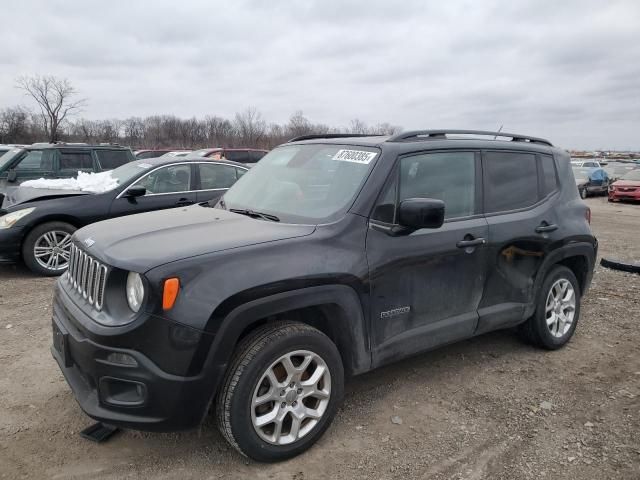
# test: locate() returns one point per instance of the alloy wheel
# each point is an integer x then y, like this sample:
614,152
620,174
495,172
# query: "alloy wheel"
291,397
52,249
560,307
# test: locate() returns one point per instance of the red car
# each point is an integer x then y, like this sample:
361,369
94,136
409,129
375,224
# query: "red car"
626,188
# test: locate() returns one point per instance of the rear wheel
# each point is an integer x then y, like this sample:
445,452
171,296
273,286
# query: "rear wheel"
47,247
557,310
280,392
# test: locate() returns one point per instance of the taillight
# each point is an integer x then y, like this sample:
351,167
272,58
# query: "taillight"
587,215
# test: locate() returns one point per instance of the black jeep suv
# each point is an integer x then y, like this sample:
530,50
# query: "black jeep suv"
334,255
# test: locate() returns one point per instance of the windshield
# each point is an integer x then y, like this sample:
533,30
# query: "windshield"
8,156
303,183
128,171
632,175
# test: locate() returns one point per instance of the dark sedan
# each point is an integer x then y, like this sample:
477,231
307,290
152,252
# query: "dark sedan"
36,224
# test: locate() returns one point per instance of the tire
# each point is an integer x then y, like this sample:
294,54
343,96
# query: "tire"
583,193
246,378
537,329
51,236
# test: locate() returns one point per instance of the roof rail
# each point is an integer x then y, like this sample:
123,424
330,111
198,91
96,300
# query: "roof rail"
442,134
331,135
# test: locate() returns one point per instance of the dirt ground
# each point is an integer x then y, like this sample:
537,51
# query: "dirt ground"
488,408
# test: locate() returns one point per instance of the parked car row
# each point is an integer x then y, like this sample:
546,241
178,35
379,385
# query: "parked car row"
241,155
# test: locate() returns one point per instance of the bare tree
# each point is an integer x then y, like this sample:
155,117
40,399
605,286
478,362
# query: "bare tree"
54,97
14,124
250,126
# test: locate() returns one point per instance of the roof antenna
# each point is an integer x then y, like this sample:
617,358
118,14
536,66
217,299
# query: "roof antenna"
499,130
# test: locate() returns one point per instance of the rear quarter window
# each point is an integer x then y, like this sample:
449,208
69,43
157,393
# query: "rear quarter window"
510,181
110,159
549,177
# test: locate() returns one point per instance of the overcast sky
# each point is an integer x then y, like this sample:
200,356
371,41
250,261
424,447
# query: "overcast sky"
565,70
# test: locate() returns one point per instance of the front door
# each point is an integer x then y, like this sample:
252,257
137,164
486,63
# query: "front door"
426,286
166,187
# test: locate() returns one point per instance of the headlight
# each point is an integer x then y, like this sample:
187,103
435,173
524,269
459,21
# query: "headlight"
135,291
8,220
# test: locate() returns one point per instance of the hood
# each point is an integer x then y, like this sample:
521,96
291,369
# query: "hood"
144,241
626,183
17,195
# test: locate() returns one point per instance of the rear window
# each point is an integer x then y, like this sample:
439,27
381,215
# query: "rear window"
510,181
110,159
257,155
237,156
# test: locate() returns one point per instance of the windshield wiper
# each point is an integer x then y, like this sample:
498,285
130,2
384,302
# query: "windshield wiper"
252,214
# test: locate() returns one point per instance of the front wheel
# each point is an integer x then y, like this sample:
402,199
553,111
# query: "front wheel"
46,248
557,310
280,392
583,193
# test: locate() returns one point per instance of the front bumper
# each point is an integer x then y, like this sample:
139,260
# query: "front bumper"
619,194
140,396
10,244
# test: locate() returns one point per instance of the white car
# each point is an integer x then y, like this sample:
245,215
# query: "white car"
586,163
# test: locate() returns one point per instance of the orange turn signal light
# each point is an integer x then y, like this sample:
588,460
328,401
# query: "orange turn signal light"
170,293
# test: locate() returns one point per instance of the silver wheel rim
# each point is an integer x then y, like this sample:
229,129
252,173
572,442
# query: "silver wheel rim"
560,307
291,397
52,250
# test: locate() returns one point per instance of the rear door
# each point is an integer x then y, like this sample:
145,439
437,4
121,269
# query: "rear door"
169,186
519,192
426,286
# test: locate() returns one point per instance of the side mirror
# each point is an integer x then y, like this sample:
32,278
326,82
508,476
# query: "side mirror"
416,213
12,176
135,191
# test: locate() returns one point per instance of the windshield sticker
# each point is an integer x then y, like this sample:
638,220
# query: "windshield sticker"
355,156
144,165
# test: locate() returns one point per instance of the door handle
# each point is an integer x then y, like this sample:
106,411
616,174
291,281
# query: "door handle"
545,227
471,243
183,202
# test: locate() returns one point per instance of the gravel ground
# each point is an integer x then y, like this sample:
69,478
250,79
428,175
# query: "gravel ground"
490,407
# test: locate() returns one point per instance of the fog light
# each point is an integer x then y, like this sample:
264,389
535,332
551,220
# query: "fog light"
120,392
122,359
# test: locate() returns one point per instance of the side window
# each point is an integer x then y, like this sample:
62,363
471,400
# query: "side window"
214,176
510,181
549,179
110,159
71,162
385,210
448,176
171,179
36,160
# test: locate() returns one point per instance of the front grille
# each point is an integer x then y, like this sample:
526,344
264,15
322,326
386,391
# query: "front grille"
88,276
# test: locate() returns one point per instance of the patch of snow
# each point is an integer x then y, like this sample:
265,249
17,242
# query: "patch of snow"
85,182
